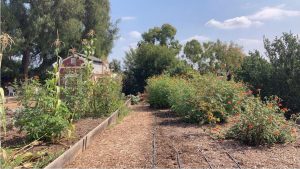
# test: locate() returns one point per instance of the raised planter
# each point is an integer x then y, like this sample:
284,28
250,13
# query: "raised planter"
84,142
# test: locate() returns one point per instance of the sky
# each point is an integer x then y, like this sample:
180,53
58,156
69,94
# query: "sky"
244,22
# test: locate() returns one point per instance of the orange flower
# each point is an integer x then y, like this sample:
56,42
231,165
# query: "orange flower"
293,130
270,119
276,133
250,126
285,110
249,92
270,105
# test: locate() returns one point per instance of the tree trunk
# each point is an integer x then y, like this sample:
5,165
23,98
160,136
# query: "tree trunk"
25,64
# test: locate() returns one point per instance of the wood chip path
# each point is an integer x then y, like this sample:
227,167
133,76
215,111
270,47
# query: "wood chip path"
125,145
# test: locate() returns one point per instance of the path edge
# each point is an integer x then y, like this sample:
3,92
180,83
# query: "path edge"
80,146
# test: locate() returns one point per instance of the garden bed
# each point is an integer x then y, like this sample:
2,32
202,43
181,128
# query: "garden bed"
191,146
16,140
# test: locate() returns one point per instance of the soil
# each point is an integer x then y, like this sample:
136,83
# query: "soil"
157,138
195,144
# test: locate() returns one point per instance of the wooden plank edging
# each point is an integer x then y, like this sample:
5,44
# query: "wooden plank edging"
84,142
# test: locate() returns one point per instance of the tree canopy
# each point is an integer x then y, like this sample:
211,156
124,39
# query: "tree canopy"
34,26
155,54
213,56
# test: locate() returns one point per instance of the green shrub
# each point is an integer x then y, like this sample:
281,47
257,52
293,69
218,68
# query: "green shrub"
77,96
207,98
86,97
197,98
180,99
262,124
43,115
135,99
217,98
159,89
106,97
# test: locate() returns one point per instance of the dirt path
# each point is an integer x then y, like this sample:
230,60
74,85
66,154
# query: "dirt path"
128,144
176,144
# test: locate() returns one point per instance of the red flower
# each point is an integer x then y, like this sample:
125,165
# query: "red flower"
229,102
250,126
285,109
249,92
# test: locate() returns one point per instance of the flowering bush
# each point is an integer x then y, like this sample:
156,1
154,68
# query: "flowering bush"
262,123
197,98
216,98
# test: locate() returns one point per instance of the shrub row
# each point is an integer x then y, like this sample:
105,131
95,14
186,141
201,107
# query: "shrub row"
211,99
200,98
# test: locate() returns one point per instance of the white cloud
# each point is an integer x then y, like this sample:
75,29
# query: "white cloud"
135,34
267,13
273,13
128,18
131,45
196,37
121,39
237,22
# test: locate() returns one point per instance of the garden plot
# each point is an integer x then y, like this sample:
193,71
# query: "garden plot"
198,148
157,138
15,139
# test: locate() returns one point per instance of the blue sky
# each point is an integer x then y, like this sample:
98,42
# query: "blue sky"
241,21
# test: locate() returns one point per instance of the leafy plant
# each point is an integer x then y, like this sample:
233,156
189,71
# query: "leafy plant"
135,99
44,114
159,89
78,95
262,124
106,97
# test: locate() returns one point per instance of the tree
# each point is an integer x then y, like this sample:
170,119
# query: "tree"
284,55
155,54
163,36
34,25
278,76
193,51
115,65
257,72
213,56
97,18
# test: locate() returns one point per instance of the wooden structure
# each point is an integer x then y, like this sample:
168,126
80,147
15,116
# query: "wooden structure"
70,67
